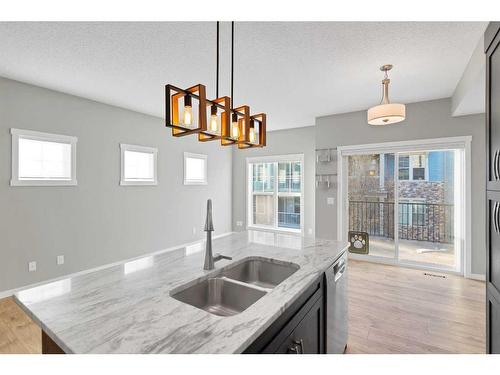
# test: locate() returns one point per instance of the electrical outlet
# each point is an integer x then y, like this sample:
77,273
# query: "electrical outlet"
239,223
60,260
32,266
194,230
310,231
330,200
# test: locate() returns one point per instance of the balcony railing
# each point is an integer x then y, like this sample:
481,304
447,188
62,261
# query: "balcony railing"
288,220
431,222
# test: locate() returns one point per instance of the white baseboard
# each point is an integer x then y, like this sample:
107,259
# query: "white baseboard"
476,276
11,292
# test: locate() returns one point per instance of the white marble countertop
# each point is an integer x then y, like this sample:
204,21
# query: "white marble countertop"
127,308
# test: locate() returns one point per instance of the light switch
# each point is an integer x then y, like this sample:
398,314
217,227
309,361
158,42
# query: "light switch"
60,260
330,200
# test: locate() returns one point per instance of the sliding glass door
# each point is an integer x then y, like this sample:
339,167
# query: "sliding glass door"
406,206
428,194
371,202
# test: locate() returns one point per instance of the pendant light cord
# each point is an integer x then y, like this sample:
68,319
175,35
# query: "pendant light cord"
217,71
232,63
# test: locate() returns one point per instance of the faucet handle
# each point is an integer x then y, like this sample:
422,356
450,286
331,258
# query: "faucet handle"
218,256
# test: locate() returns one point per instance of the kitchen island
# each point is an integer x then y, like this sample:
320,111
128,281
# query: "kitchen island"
128,308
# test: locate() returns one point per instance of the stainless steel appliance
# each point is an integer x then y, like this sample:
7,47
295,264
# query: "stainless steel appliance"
336,306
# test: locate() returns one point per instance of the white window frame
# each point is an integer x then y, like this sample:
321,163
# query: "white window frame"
463,232
274,159
16,134
136,148
410,168
205,177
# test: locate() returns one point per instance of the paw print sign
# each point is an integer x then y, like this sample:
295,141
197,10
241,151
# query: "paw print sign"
359,242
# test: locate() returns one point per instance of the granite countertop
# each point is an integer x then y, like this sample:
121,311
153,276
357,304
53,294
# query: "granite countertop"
127,308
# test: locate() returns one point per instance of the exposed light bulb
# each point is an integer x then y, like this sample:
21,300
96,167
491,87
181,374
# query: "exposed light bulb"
235,132
214,120
214,126
187,116
252,135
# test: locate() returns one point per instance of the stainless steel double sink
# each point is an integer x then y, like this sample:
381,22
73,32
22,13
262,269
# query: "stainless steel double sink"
235,287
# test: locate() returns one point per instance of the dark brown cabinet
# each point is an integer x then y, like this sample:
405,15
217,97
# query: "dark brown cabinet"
493,108
300,329
492,50
307,336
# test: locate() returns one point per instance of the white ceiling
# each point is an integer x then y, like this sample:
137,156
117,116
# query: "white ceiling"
293,71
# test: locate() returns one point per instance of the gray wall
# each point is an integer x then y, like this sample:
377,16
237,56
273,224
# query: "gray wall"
98,221
281,142
429,119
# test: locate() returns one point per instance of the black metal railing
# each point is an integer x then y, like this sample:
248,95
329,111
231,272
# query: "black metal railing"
431,222
289,220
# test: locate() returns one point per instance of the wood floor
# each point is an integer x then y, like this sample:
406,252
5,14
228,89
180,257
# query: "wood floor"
401,310
391,310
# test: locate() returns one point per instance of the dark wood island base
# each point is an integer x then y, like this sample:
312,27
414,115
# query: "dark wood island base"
49,346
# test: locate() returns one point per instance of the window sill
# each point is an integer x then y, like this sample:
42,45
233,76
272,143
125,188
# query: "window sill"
138,183
43,183
275,230
195,183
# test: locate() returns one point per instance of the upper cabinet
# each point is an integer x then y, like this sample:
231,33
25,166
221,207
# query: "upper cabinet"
492,50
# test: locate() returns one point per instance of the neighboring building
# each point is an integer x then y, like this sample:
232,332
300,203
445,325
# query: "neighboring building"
425,182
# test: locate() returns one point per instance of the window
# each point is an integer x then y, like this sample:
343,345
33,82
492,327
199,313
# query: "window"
138,165
412,212
40,159
413,167
275,198
404,167
195,169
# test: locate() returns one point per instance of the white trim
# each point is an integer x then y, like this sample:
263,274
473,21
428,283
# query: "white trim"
467,257
196,156
404,263
249,211
401,146
476,276
40,136
462,142
275,158
136,148
8,293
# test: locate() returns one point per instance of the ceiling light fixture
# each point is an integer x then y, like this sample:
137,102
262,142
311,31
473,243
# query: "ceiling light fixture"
233,126
386,112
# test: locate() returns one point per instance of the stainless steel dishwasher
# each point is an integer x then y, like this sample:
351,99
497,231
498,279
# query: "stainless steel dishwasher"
336,306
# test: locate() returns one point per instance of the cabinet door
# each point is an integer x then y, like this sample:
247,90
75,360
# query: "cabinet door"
493,109
493,274
493,240
493,319
307,337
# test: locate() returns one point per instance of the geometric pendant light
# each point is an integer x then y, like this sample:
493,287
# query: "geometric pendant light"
386,112
190,112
